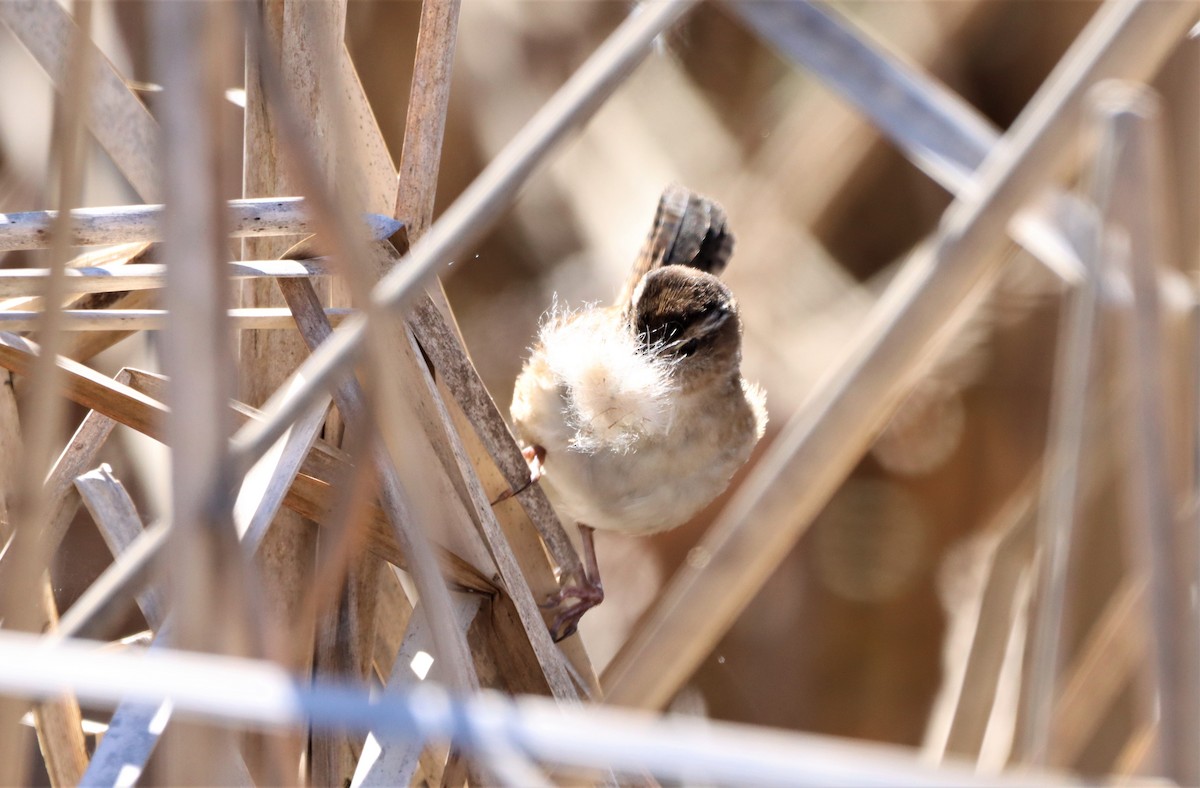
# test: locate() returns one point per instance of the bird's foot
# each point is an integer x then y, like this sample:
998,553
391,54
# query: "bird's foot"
574,598
534,455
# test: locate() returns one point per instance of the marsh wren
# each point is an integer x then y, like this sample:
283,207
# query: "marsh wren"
637,413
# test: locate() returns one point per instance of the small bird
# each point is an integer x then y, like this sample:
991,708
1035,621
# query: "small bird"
635,416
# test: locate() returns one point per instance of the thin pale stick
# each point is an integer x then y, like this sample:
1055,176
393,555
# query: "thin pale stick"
16,282
1137,245
936,129
58,721
194,52
97,607
549,658
135,728
125,320
267,358
349,396
264,217
997,616
82,346
425,124
1061,494
430,322
389,632
257,693
32,506
914,320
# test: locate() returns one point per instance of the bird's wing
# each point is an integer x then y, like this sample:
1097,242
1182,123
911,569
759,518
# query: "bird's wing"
689,229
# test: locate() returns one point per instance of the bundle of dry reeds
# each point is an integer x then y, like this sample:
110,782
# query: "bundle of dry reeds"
334,572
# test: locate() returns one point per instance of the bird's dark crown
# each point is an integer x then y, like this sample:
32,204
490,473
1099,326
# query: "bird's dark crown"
690,315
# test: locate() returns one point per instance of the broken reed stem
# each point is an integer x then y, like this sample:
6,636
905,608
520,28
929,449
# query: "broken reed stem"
249,218
914,320
475,210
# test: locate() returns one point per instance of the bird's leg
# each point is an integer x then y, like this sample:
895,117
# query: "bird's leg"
586,592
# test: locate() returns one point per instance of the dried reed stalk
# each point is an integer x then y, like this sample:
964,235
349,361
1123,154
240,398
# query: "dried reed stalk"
255,692
936,129
1061,494
194,52
124,321
253,218
1138,244
22,603
17,282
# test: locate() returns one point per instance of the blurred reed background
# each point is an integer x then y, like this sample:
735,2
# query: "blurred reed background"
1005,576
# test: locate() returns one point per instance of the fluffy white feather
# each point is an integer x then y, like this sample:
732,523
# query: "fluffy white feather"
613,394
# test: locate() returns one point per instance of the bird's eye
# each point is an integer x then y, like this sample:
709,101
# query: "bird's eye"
671,330
689,347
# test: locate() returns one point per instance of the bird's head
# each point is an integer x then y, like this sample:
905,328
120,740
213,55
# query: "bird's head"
690,317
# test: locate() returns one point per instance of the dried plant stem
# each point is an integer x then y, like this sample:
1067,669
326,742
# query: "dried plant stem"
124,320
59,721
19,593
15,282
259,693
1060,496
1138,245
430,319
996,617
940,132
264,217
425,125
397,762
194,54
310,493
914,320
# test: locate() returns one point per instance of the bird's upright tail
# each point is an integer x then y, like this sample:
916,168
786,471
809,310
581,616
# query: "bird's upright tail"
689,229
